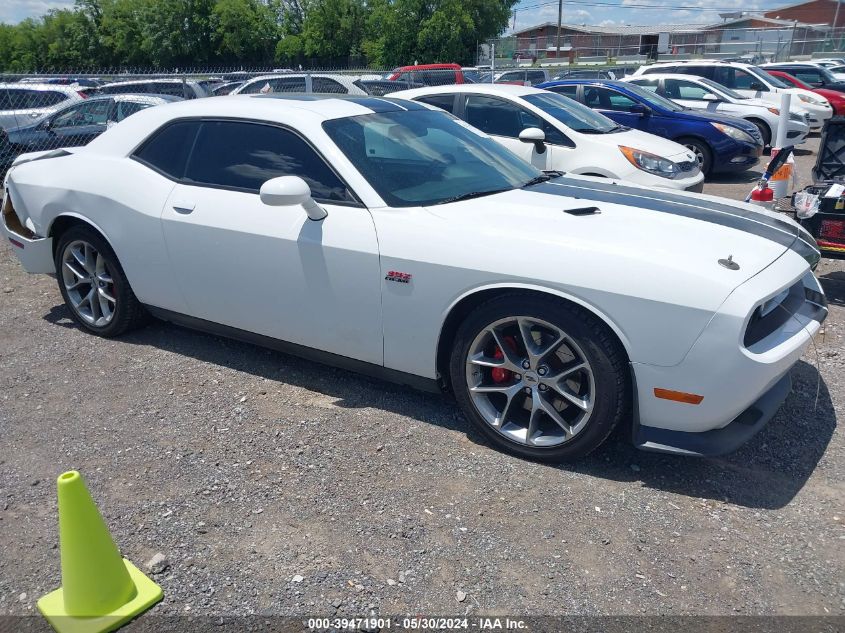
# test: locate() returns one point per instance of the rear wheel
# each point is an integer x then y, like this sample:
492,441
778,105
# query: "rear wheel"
93,284
702,153
539,378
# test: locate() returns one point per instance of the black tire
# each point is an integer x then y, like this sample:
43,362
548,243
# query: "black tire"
128,312
612,397
765,132
702,150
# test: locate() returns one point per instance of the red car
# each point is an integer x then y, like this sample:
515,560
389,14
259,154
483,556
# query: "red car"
836,98
429,74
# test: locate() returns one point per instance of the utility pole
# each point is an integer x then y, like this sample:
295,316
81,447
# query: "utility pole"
835,23
560,19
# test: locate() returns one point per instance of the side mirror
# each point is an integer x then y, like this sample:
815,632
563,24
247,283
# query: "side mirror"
756,85
287,191
710,97
534,135
639,108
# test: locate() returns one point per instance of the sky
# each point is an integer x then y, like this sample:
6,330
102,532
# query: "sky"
528,12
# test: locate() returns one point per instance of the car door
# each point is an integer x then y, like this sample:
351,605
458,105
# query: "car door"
79,124
504,120
266,269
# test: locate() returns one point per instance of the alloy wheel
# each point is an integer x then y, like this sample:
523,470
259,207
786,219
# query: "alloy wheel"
88,282
530,381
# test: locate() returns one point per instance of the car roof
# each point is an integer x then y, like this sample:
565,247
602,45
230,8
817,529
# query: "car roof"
586,81
130,82
699,62
428,67
651,76
305,110
485,88
38,86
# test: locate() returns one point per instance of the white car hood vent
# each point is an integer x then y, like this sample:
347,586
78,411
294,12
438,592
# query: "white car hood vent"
583,211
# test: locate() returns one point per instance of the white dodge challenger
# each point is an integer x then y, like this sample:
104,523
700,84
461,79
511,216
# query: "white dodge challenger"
389,237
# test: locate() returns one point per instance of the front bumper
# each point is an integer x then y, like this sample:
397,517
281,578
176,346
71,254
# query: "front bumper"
736,156
717,441
734,373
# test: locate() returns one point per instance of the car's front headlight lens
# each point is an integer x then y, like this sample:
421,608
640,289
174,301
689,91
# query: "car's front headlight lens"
734,132
809,99
652,163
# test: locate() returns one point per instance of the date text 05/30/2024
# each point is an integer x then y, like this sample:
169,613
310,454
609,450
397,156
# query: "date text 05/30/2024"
417,623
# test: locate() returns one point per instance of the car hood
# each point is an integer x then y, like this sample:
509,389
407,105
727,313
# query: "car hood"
645,142
714,117
660,239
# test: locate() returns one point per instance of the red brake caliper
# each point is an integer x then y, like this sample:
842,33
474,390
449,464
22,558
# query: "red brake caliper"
499,374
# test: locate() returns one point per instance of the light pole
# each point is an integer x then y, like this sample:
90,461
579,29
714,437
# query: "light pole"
560,19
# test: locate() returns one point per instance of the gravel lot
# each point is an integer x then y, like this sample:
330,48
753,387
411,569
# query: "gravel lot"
278,486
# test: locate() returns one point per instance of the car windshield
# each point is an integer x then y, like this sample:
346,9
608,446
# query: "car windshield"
720,89
654,99
766,77
425,157
571,113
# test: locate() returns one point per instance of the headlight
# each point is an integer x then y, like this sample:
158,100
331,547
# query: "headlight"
652,163
809,99
734,132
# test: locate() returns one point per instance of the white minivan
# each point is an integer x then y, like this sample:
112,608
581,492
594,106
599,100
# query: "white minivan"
553,132
747,80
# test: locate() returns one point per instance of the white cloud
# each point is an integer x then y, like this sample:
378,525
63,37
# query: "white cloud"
13,11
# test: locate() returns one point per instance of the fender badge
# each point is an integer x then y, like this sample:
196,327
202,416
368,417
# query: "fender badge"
729,263
402,278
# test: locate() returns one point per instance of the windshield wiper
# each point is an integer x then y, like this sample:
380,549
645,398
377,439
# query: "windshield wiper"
472,194
538,179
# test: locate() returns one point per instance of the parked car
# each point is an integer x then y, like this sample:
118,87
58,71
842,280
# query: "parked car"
554,133
73,125
586,74
389,237
698,93
750,81
21,103
812,74
381,87
428,74
186,89
300,82
834,97
523,76
721,143
225,88
838,71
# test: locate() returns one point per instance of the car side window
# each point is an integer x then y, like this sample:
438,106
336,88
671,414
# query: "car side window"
700,71
807,75
243,155
287,84
566,91
650,84
92,113
745,81
128,108
327,85
680,89
172,88
606,99
499,117
167,149
536,77
444,102
511,76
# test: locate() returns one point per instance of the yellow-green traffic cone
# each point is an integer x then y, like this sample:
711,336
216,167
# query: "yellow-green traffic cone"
101,591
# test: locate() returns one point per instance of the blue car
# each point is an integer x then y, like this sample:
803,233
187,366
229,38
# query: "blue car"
722,143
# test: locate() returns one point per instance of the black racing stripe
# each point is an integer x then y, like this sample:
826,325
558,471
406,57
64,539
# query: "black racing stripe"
670,196
731,217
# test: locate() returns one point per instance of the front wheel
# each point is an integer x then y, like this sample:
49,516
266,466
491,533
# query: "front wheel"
539,378
93,284
702,153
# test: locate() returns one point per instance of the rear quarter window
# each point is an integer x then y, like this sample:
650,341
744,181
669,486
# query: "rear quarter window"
168,148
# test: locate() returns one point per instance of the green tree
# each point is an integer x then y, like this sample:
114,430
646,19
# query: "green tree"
333,28
244,30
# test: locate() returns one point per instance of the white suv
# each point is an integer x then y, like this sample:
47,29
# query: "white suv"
747,80
21,103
